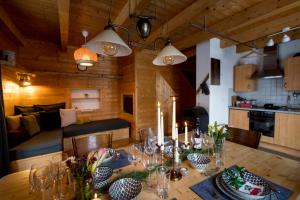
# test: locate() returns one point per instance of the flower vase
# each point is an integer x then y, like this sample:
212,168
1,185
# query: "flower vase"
83,189
219,153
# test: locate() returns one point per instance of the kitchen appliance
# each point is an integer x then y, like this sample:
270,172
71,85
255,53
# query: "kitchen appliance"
263,122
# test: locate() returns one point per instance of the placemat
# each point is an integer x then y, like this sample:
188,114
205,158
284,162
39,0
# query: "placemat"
207,190
122,161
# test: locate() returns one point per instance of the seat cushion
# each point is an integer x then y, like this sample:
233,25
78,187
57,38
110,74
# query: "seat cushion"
43,143
94,126
50,120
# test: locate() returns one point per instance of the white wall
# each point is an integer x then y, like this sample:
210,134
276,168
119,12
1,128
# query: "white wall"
218,100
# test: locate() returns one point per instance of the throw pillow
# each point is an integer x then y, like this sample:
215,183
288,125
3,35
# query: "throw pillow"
67,116
50,120
13,122
37,116
23,109
30,124
50,107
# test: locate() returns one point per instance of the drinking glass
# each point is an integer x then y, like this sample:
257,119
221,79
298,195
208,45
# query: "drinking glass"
149,162
163,182
32,183
150,144
134,157
58,173
42,179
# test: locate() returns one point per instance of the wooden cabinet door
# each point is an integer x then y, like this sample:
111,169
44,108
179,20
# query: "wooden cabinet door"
239,119
242,81
292,74
287,130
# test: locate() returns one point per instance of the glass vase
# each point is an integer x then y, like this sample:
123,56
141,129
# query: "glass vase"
83,189
219,152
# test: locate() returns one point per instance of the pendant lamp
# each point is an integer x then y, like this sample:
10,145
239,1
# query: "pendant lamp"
109,43
169,55
84,57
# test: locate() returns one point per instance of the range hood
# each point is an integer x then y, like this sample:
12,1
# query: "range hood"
270,67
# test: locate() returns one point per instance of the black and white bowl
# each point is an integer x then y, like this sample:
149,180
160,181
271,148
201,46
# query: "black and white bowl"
198,161
102,176
125,189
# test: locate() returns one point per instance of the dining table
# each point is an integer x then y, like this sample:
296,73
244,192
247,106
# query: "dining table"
278,169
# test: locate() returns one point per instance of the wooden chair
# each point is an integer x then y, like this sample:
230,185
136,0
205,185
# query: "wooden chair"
244,137
83,144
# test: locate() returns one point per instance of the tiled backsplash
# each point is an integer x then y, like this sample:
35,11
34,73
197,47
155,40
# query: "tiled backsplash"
271,91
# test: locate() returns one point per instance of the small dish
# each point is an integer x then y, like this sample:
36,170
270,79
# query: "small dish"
198,161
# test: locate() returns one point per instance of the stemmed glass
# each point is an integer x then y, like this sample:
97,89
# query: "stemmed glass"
42,179
134,157
149,162
57,173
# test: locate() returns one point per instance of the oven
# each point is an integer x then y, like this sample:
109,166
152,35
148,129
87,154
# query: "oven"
263,122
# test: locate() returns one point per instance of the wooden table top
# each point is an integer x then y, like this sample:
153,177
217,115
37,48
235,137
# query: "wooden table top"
278,169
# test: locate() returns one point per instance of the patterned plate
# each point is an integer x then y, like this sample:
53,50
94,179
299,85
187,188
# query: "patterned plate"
254,179
224,188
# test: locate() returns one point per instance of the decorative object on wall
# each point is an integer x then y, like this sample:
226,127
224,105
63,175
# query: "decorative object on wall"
203,86
215,71
25,78
109,43
143,22
83,56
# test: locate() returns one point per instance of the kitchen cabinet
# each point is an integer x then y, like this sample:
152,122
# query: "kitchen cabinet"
292,73
239,119
287,130
242,80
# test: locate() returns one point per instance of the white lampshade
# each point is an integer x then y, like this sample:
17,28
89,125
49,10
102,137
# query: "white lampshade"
169,56
285,38
270,42
109,43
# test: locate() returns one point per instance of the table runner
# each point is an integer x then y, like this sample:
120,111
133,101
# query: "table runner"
122,161
207,190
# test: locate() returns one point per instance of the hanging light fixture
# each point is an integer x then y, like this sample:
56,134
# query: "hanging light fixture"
285,38
83,56
25,78
109,43
169,55
270,42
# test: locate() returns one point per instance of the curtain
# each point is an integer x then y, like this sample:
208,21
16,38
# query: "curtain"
4,159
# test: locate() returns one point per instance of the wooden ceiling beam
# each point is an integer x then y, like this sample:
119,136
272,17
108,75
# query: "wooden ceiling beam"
253,14
4,17
262,42
197,9
124,13
271,25
64,16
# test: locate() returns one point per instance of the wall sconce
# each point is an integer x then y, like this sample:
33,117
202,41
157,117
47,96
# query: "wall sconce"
25,78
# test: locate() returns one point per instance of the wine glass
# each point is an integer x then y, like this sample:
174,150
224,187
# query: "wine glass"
134,157
150,145
32,184
149,162
42,179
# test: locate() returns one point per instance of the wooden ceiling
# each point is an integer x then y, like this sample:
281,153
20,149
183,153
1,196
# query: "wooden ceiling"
61,21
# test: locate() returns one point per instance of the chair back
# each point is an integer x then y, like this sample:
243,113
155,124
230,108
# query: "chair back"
245,137
82,145
144,133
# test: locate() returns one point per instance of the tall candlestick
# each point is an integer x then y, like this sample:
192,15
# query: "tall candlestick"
174,119
162,133
158,125
185,133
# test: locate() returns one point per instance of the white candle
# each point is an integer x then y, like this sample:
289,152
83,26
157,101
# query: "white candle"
174,119
158,125
176,132
162,130
185,133
176,152
96,197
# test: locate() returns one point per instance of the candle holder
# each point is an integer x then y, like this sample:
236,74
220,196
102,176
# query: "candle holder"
161,153
175,175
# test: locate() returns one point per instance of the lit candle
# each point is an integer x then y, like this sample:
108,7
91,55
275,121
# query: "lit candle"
185,133
96,197
158,125
162,131
176,152
174,119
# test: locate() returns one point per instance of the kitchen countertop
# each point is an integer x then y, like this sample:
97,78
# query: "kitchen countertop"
289,111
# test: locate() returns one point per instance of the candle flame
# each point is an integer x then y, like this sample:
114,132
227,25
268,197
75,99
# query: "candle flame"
95,196
176,125
161,113
158,104
185,123
174,98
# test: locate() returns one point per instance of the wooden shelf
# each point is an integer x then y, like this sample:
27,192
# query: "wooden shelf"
81,98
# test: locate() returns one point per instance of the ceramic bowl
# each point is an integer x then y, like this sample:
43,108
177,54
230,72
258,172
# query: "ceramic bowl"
198,161
125,189
102,176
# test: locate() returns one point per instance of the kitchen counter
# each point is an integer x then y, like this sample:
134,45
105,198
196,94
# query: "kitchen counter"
289,111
